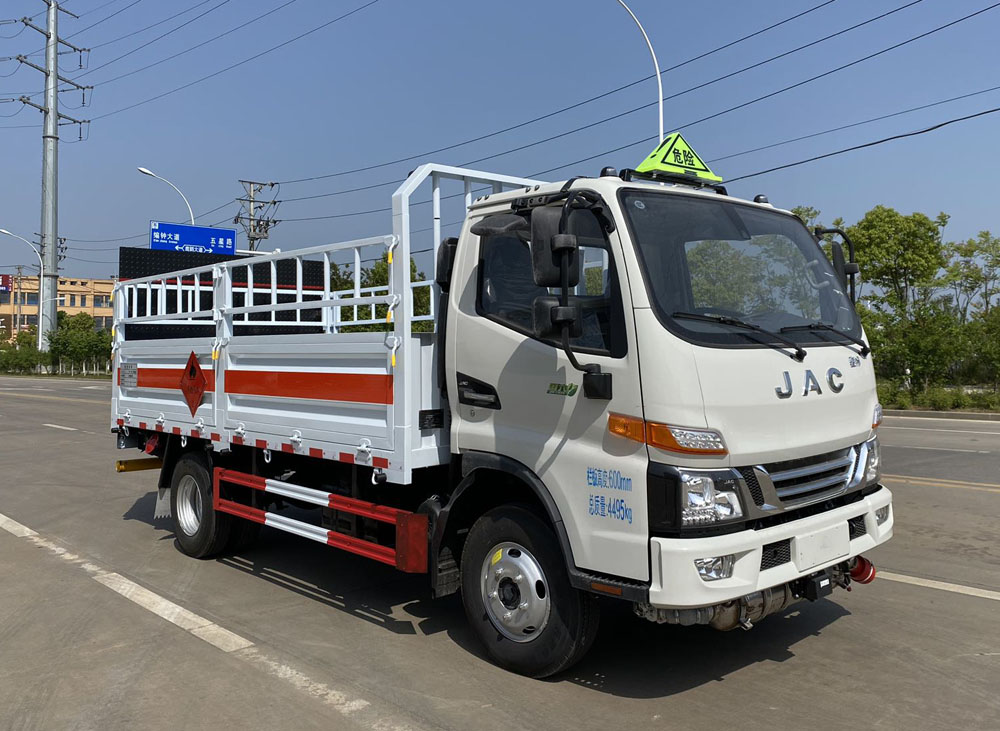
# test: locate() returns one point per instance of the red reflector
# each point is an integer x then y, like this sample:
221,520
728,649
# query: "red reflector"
411,543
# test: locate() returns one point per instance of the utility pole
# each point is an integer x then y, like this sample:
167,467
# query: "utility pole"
48,290
17,300
256,216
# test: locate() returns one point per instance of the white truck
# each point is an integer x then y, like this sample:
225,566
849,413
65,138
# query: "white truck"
631,387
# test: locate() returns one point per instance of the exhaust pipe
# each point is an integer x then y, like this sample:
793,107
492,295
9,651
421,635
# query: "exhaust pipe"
862,570
135,465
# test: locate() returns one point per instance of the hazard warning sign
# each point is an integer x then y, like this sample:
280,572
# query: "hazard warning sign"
674,155
193,383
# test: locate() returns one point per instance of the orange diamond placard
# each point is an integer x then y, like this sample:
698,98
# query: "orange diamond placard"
193,383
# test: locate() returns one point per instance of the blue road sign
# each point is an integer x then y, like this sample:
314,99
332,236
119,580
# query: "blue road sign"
193,239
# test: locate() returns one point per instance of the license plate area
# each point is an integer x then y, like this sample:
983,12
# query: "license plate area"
821,546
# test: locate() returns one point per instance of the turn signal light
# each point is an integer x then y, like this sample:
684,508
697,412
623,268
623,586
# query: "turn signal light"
669,438
629,427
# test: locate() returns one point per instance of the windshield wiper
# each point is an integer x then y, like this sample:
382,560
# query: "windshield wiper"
865,350
798,355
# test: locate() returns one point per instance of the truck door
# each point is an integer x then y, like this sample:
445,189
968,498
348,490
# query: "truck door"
520,397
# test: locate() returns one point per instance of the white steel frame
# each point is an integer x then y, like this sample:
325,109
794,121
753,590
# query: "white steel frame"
401,345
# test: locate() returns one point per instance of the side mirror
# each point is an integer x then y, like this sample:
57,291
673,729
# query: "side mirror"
548,318
839,264
445,262
547,247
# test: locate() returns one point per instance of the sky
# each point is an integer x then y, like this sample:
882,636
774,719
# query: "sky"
401,79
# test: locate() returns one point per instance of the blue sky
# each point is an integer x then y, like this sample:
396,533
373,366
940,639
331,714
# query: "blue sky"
400,78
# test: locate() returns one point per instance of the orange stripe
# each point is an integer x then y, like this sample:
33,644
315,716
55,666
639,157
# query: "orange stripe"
168,378
355,387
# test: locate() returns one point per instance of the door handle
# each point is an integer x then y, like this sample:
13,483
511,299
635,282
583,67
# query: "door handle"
473,392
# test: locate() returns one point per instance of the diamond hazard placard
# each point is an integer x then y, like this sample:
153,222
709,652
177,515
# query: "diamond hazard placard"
193,383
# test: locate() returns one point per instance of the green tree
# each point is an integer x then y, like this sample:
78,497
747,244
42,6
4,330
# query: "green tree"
899,253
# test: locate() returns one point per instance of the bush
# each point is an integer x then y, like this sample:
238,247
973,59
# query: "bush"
903,400
960,399
937,398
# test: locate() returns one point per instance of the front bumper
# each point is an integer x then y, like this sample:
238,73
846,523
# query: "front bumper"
676,583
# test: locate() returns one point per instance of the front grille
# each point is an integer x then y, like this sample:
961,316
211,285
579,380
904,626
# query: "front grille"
775,554
808,478
857,527
753,485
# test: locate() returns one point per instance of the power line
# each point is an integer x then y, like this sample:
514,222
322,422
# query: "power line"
856,124
692,88
195,47
160,38
106,18
395,182
240,63
151,26
563,109
873,143
143,235
646,140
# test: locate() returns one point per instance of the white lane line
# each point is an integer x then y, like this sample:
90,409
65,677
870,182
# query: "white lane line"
361,711
174,613
64,428
937,449
12,526
942,585
944,431
939,418
329,696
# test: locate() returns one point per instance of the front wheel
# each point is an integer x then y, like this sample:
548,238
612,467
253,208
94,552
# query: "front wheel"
518,598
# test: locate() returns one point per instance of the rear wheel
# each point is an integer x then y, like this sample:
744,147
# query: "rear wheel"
518,597
200,531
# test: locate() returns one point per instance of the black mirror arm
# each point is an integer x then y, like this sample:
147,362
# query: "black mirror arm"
853,268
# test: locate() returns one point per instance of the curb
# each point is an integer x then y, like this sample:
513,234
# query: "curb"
971,415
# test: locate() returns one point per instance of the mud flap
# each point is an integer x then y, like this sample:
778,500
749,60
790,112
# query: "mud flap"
162,509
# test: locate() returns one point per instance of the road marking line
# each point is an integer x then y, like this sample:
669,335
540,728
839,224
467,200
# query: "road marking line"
934,482
173,613
939,418
946,431
219,637
64,428
936,449
329,696
52,398
942,585
13,527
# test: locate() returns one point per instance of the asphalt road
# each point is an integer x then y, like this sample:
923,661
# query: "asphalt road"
104,624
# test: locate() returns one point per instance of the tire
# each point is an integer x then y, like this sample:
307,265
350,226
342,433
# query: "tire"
518,598
200,531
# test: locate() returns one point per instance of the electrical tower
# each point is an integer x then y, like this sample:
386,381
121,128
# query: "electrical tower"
256,214
48,293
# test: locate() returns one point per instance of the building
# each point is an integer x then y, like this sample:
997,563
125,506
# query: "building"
19,302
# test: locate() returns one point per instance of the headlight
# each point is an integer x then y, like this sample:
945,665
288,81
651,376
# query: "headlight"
873,470
877,416
708,499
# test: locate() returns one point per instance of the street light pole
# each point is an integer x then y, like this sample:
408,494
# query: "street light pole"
150,173
41,274
656,68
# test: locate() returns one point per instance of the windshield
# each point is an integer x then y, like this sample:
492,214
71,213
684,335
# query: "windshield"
716,257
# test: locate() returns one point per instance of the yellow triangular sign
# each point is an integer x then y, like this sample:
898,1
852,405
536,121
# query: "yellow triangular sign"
674,155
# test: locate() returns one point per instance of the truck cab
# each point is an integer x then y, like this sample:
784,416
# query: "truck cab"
732,453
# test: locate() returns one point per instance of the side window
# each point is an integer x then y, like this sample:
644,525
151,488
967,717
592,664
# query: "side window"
506,288
507,292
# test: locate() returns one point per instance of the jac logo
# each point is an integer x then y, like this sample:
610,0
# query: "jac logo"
811,383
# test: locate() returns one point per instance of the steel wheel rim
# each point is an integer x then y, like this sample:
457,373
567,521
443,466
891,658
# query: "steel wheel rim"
189,507
515,592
